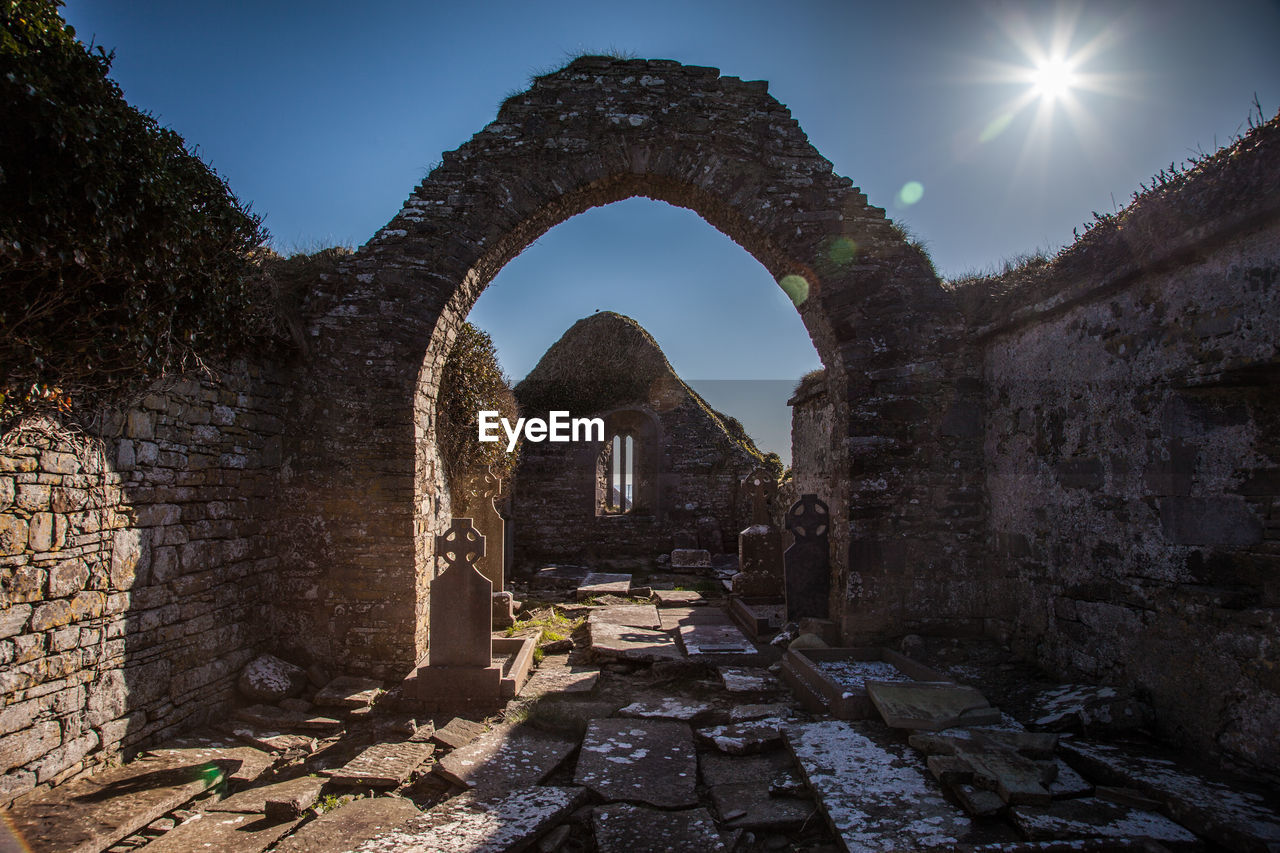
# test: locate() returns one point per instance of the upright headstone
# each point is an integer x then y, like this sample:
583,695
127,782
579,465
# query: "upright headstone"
808,560
482,491
461,630
760,545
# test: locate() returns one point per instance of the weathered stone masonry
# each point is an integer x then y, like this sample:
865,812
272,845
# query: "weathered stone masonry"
135,573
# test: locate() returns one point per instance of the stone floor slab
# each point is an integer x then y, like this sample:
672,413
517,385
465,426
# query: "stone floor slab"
634,615
458,732
555,675
254,800
675,617
383,765
623,828
222,831
268,739
244,764
1093,818
873,792
94,812
715,640
748,805
679,598
471,824
930,705
668,708
745,738
603,583
624,643
348,692
506,758
349,825
1228,813
718,769
748,680
648,761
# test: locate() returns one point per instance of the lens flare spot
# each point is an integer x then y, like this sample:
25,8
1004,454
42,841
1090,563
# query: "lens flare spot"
911,192
796,287
842,250
995,127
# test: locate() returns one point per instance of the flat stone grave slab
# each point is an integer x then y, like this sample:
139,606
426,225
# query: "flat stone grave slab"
555,675
92,813
748,680
715,640
222,831
268,739
348,692
634,615
648,761
679,598
626,643
383,765
718,769
458,732
1068,820
930,705
348,825
1221,809
668,708
1069,783
565,577
675,617
603,583
243,764
745,738
873,792
506,758
623,828
469,823
304,789
749,805
269,716
747,713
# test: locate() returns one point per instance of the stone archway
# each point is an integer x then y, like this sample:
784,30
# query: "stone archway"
366,494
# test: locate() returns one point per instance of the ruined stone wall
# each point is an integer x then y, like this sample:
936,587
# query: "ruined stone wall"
1133,469
813,441
135,572
698,476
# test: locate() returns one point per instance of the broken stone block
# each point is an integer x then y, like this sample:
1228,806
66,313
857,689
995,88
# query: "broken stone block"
348,692
383,765
623,828
505,758
1066,820
271,717
342,829
458,733
1014,778
1068,783
748,680
871,790
470,823
303,790
747,713
977,801
670,708
679,598
745,738
269,739
930,705
756,808
268,679
690,558
1090,708
650,761
715,640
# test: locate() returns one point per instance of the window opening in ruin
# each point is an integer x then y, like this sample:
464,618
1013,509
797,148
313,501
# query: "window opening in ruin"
622,474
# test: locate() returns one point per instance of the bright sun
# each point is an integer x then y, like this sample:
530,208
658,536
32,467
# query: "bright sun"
1053,78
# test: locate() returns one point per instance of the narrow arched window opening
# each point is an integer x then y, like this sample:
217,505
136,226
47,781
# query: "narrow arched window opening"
622,474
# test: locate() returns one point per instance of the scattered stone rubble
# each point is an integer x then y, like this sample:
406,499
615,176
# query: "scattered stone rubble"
684,750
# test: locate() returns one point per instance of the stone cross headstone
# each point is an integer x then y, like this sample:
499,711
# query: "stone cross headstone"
461,601
482,491
760,545
808,560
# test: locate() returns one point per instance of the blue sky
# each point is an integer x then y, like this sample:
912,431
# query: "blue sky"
325,115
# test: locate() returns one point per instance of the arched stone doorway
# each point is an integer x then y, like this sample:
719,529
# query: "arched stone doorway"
365,488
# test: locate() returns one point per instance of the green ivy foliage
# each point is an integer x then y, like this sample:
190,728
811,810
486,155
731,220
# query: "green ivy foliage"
123,256
472,381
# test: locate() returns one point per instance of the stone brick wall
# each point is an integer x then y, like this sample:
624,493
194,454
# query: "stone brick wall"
814,445
1133,455
135,572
